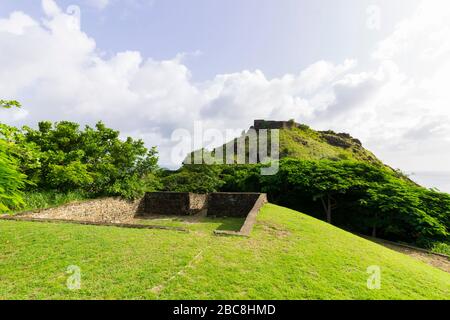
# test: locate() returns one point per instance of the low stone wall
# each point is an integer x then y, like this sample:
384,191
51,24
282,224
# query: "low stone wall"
173,203
166,203
229,204
117,211
250,220
197,203
113,210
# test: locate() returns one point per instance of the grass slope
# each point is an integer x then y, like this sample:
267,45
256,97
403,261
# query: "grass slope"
307,144
288,256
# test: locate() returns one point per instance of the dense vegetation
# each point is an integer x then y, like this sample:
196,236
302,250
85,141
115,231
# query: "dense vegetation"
359,196
328,175
12,181
61,158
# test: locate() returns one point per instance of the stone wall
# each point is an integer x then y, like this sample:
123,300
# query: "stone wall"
166,203
221,204
114,210
270,124
118,211
250,220
197,202
228,204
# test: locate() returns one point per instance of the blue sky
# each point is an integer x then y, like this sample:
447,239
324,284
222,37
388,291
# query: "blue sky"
378,69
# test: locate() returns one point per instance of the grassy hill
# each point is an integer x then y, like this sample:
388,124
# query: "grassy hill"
288,256
301,142
305,143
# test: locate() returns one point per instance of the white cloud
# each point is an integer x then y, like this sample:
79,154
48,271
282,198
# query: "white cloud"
100,4
399,108
50,8
17,23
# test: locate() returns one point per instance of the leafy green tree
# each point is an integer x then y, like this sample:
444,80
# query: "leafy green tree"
8,104
241,178
63,157
324,180
194,178
406,212
11,180
27,154
364,198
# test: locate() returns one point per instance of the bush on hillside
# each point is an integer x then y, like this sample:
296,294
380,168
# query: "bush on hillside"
12,182
194,178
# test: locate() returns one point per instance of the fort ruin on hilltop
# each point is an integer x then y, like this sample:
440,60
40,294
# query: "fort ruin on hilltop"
271,124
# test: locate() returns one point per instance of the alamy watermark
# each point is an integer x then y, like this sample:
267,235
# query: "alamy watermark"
374,279
211,147
73,282
373,21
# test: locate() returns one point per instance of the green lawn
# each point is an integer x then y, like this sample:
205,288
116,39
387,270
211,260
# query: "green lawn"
288,256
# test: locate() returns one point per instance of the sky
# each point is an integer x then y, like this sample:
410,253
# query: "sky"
377,69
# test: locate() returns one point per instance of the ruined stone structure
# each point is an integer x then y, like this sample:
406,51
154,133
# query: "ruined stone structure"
173,203
228,204
122,213
270,124
217,204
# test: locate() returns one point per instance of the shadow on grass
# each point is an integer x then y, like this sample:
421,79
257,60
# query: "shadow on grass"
196,222
230,224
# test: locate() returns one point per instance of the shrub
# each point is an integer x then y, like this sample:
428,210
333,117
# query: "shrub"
194,178
12,181
441,247
45,199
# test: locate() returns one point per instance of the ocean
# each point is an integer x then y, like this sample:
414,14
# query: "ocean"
433,179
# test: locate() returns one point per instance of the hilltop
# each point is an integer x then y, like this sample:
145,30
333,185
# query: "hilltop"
328,175
299,141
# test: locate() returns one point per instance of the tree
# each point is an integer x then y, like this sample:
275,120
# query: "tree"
324,180
8,104
11,180
409,212
363,197
63,157
194,178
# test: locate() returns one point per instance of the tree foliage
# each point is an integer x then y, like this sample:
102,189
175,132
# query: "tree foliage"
365,197
8,104
362,197
194,178
11,180
63,157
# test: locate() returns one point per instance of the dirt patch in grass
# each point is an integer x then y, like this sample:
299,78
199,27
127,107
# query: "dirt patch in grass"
275,229
438,261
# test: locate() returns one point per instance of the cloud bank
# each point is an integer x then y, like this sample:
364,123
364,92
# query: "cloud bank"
399,108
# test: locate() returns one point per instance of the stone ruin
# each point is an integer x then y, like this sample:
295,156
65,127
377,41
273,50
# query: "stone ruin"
218,204
123,213
271,124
